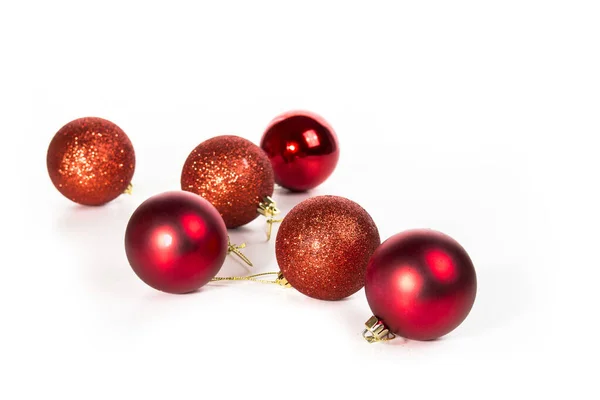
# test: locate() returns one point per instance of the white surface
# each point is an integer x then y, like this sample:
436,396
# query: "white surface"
475,118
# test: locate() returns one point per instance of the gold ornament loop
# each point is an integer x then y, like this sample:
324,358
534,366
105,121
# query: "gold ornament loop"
235,249
269,209
376,331
279,280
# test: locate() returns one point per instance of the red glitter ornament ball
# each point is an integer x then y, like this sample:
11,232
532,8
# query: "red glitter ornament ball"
176,242
302,148
91,161
323,247
233,174
421,284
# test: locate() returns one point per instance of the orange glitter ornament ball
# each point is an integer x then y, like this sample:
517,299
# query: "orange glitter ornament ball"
233,174
323,247
91,161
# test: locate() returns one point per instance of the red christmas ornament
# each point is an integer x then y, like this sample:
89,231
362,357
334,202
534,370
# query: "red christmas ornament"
420,284
91,161
176,242
233,174
302,148
323,247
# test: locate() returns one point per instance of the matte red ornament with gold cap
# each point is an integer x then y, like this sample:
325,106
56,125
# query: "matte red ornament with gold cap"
176,242
303,149
420,284
91,161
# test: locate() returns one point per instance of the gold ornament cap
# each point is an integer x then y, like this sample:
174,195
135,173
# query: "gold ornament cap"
376,331
268,209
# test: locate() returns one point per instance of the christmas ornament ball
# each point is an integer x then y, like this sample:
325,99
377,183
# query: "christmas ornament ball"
421,284
90,161
233,174
323,246
303,149
176,242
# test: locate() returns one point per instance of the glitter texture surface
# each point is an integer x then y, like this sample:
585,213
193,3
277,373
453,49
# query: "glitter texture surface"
91,161
233,174
323,247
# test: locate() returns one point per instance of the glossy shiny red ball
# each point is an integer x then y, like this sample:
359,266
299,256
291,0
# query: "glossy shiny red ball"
302,148
421,284
176,242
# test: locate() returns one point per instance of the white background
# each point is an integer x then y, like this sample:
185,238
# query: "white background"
476,118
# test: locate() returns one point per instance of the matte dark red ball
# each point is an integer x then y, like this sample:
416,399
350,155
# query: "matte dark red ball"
90,161
176,242
303,149
232,173
323,247
421,284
